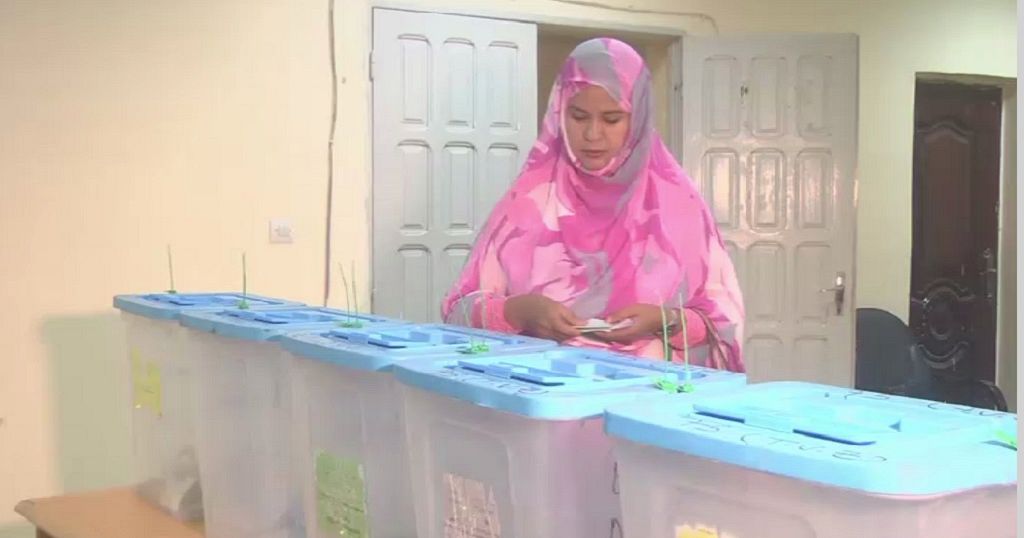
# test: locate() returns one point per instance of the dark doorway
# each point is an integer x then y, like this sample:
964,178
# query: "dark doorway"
955,230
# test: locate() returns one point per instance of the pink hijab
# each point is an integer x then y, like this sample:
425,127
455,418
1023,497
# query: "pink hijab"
636,232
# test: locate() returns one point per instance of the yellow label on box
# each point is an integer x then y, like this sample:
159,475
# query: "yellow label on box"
698,531
147,391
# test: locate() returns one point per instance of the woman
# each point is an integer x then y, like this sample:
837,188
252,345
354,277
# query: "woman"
603,223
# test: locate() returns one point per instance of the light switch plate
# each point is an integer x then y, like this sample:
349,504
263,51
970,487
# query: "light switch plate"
281,231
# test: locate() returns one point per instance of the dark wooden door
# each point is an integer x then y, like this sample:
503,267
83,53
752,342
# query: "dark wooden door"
955,227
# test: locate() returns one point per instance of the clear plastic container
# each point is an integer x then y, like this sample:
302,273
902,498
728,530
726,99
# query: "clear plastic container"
356,479
246,449
797,460
164,464
514,446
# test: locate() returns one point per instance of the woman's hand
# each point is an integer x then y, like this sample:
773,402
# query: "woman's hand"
646,323
538,316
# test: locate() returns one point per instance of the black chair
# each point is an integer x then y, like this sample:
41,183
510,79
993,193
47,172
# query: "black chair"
887,356
970,392
889,361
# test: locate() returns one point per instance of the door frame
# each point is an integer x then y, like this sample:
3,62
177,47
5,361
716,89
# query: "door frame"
520,16
1006,288
674,141
676,35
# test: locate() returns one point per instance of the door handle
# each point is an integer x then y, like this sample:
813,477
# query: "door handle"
838,292
989,273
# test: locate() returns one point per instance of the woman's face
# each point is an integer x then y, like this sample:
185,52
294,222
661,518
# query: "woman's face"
596,127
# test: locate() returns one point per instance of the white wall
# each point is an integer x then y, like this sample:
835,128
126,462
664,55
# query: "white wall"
125,126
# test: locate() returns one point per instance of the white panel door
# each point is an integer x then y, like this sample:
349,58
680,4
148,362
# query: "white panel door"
454,116
770,134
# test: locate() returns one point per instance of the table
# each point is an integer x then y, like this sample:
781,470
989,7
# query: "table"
112,513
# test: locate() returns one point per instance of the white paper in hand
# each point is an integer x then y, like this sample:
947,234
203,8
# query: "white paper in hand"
599,325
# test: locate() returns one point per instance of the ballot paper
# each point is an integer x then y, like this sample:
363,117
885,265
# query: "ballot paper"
599,325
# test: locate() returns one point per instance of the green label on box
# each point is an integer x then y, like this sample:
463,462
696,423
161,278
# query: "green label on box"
341,496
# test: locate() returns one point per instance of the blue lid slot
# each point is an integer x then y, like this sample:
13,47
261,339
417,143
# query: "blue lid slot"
828,419
282,317
208,300
535,376
169,306
850,425
1001,443
383,345
271,323
177,300
253,315
401,338
553,372
830,435
563,383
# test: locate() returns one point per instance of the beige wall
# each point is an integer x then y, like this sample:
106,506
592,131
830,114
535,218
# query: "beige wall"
127,125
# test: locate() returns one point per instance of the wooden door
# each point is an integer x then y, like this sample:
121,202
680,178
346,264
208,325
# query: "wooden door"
955,227
770,137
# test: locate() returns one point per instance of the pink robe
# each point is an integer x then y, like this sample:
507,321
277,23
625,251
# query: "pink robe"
637,231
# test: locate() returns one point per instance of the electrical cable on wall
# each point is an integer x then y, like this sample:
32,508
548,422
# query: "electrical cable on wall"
330,149
586,3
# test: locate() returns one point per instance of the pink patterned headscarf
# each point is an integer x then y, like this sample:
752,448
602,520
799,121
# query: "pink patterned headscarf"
637,231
